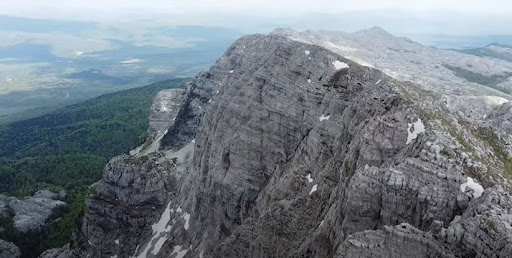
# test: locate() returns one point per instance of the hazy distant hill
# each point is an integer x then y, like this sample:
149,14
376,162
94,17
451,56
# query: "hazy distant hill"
495,50
47,64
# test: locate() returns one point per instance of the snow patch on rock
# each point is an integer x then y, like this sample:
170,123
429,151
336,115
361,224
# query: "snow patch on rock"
158,228
478,190
158,245
310,179
322,118
186,216
338,65
414,129
315,187
179,253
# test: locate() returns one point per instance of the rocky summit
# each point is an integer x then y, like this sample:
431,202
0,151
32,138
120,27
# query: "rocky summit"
288,149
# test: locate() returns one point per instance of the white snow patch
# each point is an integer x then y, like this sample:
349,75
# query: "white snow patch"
9,80
339,65
187,220
158,245
179,253
194,141
179,209
478,190
79,53
131,61
307,52
322,118
414,129
377,82
231,71
494,100
310,179
164,220
315,187
309,80
158,228
217,92
164,108
117,241
209,101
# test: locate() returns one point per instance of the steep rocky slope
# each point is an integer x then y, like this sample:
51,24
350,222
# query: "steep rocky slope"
285,149
464,79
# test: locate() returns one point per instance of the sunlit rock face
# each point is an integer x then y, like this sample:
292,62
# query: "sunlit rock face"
166,106
286,149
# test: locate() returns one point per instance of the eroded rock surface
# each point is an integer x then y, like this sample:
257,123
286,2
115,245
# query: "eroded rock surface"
166,106
8,250
285,149
30,213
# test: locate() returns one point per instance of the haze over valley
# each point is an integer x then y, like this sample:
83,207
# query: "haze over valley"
47,64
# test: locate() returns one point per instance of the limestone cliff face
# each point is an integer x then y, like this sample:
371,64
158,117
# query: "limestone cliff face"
166,106
284,149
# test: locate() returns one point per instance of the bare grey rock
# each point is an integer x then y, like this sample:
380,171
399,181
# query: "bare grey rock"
163,111
285,149
63,252
47,194
399,241
30,213
8,250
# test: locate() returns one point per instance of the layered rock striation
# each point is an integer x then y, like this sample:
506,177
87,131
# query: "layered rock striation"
285,149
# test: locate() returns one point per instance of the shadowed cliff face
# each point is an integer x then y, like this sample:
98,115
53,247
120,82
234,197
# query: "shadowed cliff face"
284,149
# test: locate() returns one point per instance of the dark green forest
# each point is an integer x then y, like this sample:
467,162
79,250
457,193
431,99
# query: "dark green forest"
67,150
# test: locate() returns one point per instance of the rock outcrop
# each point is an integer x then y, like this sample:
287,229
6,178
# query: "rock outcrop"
30,213
63,252
8,250
163,111
285,149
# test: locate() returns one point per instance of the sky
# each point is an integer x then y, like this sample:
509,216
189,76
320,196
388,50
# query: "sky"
398,16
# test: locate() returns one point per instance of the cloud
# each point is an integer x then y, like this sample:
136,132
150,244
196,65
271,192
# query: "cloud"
441,16
100,9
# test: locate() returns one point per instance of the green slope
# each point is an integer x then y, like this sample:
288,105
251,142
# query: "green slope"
43,150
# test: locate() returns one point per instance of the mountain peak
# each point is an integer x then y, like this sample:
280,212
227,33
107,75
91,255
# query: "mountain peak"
374,31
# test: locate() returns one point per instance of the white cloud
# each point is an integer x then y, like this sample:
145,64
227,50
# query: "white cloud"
401,17
100,9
